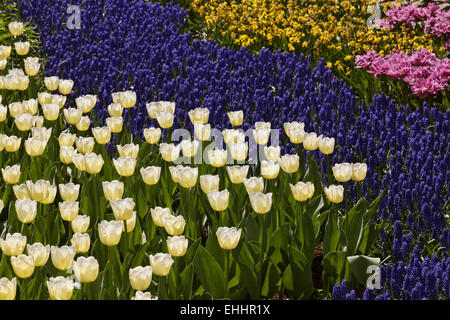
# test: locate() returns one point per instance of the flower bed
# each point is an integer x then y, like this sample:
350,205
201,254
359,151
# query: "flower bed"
139,46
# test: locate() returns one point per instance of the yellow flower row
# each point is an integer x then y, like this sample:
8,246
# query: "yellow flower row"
336,30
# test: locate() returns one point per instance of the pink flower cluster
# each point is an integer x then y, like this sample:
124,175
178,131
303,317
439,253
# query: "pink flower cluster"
437,22
423,71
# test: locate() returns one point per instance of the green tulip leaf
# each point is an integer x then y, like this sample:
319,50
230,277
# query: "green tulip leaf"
210,273
359,265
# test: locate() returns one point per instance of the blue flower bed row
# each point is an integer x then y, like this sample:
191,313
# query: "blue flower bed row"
141,46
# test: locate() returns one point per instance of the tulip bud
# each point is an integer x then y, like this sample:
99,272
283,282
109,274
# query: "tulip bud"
187,176
359,171
69,191
202,131
21,191
102,134
35,147
125,166
15,28
3,62
110,232
115,124
152,135
5,51
254,184
16,108
22,48
11,174
177,246
238,151
302,191
218,199
24,121
65,86
38,121
236,117
209,182
81,242
153,108
261,133
342,172
86,103
217,157
69,210
311,141
158,214
161,263
51,83
8,288
44,98
41,191
169,152
78,161
26,210
115,110
189,148
72,115
165,119
41,133
289,126
128,99
143,296
86,269
66,154
3,138
80,224
272,153
131,223
326,145
233,136
334,193
3,112
60,288
237,173
85,144
289,163
270,170
30,106
23,265
228,237
128,150
174,173
39,252
173,225
13,244
122,208
12,143
151,175
93,163
62,257
261,203
113,190
140,277
66,139
32,66
199,115
83,124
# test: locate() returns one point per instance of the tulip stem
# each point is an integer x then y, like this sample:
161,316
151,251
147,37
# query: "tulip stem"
162,289
358,190
263,249
330,171
227,270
